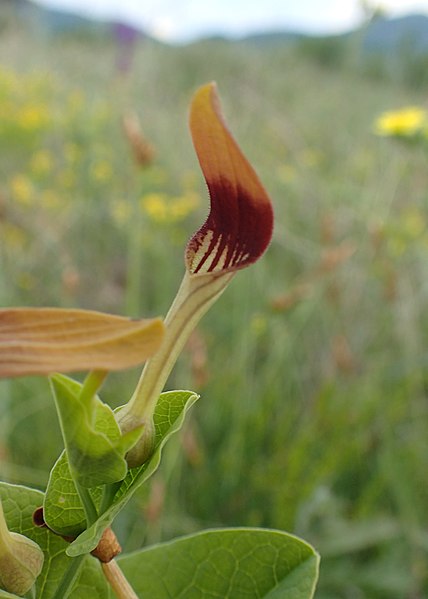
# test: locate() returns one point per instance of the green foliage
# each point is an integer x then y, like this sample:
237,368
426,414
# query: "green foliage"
63,511
313,369
19,504
93,441
330,51
168,418
234,563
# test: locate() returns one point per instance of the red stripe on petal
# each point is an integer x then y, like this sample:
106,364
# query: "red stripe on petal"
239,226
235,234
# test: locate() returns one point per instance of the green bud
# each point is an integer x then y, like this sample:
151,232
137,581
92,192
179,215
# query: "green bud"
144,447
21,561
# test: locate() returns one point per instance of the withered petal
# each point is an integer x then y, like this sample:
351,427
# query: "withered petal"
239,226
45,340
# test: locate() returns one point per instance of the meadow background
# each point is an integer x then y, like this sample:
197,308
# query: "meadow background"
313,365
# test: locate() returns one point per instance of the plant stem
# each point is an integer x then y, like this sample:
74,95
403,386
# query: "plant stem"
117,581
135,266
67,580
88,504
92,383
108,494
194,297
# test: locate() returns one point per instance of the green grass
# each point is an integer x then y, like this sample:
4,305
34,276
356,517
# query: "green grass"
312,366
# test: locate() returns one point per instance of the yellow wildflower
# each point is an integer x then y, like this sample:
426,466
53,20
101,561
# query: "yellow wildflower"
161,208
414,224
101,171
311,157
26,281
67,178
22,189
13,237
397,246
76,100
50,200
71,152
404,122
190,179
258,324
41,163
155,205
121,211
286,173
182,206
33,118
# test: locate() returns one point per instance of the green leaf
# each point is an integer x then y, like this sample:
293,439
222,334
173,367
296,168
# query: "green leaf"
90,582
229,563
62,509
93,441
169,416
19,503
241,563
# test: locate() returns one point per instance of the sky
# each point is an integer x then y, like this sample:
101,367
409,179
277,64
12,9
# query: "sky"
184,20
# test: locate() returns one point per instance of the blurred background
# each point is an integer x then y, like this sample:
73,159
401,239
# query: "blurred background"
313,365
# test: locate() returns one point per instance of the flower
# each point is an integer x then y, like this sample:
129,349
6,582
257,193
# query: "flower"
21,560
239,226
41,341
405,122
235,234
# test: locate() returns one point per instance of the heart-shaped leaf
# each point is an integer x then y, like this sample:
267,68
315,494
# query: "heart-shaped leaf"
168,418
94,444
241,563
19,504
47,340
63,511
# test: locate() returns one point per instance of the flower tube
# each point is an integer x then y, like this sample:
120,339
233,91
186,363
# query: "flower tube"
21,560
235,234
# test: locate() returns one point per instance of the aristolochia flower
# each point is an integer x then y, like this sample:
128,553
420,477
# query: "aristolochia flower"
21,560
47,340
236,233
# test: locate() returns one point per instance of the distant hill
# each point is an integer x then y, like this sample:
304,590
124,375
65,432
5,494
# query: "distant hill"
408,33
382,36
55,21
274,38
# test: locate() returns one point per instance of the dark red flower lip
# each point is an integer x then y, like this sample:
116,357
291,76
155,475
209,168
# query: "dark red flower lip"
240,223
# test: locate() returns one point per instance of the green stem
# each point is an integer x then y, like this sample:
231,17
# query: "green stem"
67,580
92,383
135,268
88,504
108,495
195,296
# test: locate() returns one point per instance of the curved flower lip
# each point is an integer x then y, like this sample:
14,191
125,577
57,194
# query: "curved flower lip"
42,341
240,223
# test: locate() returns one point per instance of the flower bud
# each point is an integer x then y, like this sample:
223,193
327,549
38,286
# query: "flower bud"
21,561
143,449
235,234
